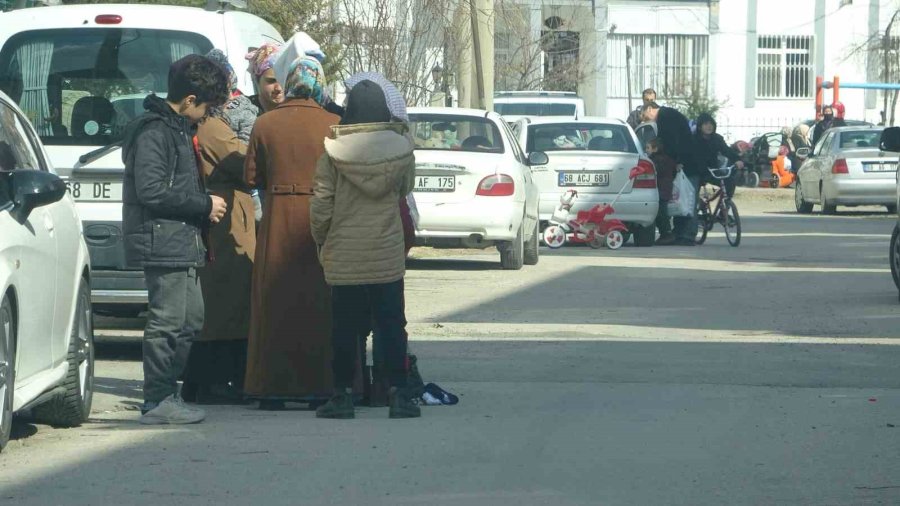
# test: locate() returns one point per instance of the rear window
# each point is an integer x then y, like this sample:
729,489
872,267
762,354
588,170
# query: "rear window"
82,86
535,109
860,140
455,133
580,137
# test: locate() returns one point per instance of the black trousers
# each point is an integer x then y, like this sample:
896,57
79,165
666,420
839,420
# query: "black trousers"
356,307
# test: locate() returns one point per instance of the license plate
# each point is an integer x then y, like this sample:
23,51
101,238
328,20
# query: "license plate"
584,179
435,184
880,167
84,190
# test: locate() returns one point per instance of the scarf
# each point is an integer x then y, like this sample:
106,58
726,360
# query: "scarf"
306,79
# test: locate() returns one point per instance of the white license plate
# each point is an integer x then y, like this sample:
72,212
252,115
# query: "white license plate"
880,167
95,190
584,179
435,184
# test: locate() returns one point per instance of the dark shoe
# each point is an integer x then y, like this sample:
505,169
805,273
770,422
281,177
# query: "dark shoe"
685,242
270,405
666,240
338,407
401,406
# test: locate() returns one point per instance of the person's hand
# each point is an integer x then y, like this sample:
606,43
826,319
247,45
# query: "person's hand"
218,208
739,165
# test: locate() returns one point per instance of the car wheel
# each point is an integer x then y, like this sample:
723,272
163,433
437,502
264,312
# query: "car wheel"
803,207
827,207
74,407
645,236
532,255
512,255
7,370
895,255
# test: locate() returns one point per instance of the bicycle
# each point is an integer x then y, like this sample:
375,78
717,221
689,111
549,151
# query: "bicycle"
726,212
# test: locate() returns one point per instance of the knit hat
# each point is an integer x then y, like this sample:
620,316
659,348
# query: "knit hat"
262,58
396,103
217,56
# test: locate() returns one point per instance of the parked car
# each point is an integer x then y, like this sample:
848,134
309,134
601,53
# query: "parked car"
890,142
474,187
847,168
46,333
81,73
515,105
593,156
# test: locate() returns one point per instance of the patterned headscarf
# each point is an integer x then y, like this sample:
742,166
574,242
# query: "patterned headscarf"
217,56
306,79
261,59
395,101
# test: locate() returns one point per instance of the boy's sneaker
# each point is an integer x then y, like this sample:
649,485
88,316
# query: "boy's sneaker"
340,406
173,411
401,406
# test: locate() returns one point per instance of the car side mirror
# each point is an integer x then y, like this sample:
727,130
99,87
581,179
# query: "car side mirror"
31,189
538,158
890,139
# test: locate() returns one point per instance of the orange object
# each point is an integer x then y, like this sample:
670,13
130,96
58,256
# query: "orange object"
781,177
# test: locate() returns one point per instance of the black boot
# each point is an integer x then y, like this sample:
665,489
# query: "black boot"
340,406
401,406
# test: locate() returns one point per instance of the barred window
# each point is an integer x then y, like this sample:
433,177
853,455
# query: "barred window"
673,65
784,66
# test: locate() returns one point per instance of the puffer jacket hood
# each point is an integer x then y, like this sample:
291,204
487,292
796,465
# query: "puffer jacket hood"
371,157
706,118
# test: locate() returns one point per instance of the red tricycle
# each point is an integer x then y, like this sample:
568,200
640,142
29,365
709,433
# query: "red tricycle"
592,226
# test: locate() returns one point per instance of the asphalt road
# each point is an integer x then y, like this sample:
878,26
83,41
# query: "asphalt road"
764,374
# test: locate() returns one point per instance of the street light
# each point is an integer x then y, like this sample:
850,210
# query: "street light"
440,84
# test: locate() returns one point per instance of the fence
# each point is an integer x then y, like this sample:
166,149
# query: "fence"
745,128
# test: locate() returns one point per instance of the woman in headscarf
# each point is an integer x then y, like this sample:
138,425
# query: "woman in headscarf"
217,363
290,332
271,92
368,166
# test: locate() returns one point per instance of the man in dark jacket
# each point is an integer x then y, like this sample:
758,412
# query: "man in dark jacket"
709,146
675,131
164,210
828,121
648,97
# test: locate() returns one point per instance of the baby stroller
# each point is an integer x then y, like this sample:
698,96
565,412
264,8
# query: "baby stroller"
592,226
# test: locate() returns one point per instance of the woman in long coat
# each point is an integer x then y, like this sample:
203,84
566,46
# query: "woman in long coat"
289,354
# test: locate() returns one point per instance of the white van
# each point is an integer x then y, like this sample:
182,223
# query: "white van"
81,73
515,105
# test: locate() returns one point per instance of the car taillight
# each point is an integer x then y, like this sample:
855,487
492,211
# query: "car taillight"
646,178
840,167
497,185
108,19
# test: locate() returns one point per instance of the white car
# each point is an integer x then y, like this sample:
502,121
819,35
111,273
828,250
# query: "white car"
593,156
515,105
474,187
46,332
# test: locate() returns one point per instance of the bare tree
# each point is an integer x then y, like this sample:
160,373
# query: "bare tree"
883,48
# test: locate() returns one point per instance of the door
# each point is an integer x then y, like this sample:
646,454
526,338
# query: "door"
532,196
35,257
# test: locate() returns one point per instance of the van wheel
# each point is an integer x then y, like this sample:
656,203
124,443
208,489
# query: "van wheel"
74,407
7,370
645,236
802,206
532,255
512,254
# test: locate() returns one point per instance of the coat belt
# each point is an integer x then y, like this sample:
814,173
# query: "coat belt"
291,189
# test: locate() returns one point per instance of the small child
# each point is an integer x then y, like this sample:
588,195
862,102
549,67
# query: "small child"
665,178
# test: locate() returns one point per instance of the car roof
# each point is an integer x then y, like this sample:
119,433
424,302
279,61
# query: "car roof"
454,111
856,128
551,120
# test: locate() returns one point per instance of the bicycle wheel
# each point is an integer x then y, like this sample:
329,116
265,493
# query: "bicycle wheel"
704,222
732,223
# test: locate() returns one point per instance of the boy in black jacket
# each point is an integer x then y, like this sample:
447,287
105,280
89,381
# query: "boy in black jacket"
165,208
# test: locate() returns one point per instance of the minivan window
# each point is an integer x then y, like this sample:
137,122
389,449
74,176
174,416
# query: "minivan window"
534,109
81,86
580,137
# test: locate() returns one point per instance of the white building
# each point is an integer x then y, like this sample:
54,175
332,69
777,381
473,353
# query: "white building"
761,57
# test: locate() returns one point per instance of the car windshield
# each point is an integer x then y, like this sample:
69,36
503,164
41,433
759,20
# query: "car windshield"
580,137
82,86
455,133
534,109
865,139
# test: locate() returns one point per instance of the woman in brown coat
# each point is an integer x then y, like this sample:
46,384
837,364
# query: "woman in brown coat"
217,363
289,354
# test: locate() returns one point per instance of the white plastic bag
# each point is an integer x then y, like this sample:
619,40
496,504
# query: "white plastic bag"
683,196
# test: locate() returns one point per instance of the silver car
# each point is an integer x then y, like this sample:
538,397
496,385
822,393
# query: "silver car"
847,168
593,156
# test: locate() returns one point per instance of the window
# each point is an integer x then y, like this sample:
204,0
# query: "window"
81,86
534,109
672,65
455,133
580,137
16,152
864,139
784,66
